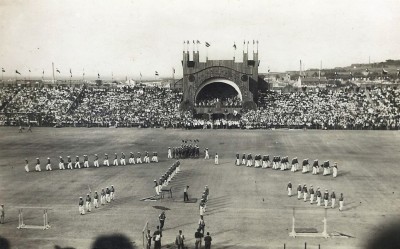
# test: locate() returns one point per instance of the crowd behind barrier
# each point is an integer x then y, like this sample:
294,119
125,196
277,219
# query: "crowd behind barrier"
338,108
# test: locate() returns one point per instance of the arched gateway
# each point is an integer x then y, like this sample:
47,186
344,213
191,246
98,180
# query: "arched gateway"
219,86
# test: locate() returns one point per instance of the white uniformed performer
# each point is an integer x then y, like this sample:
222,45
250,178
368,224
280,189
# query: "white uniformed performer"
207,156
146,157
243,159
169,153
106,162
132,158
96,161
85,161
156,187
139,158
335,169
237,161
318,197
283,163
108,194
155,157
81,208
26,165
96,199
311,195
305,166
256,161
327,169
77,163
88,203
37,167
216,159
122,160
69,165
333,199
61,163
249,160
305,192
315,167
48,165
103,197
341,201
115,162
299,189
112,192
326,198
289,189
293,169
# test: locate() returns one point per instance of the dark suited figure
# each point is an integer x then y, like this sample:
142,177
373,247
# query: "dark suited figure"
157,238
162,217
207,241
185,194
198,235
179,241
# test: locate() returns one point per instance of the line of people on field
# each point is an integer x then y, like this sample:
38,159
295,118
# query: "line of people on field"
303,193
106,196
282,163
77,163
166,178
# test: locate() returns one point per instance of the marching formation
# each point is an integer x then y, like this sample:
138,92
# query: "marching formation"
185,150
106,196
166,178
282,163
303,193
78,163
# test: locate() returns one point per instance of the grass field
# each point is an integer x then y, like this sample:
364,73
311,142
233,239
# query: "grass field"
248,207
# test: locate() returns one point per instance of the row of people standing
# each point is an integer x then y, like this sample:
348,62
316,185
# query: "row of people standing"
303,193
77,163
282,163
106,196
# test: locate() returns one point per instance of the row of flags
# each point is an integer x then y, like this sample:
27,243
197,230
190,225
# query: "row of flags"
207,44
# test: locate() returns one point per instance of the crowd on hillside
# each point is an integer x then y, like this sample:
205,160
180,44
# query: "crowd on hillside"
340,108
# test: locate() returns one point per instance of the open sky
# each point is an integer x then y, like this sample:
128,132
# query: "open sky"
127,38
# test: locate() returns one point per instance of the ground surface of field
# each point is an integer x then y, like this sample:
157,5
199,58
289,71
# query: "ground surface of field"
248,207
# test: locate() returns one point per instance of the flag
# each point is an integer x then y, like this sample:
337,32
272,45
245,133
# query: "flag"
198,42
98,75
16,71
70,71
234,46
58,71
384,71
193,42
156,73
140,74
268,70
207,44
173,70
43,72
29,70
2,69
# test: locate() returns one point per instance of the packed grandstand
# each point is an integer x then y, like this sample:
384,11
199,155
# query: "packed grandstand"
81,106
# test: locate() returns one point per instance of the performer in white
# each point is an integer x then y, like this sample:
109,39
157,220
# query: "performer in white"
216,159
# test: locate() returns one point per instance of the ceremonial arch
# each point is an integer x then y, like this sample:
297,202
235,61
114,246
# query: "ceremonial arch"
219,86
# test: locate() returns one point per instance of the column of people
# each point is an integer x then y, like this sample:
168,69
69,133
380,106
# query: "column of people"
106,196
77,163
282,163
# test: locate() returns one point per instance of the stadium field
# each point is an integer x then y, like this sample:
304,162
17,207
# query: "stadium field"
247,208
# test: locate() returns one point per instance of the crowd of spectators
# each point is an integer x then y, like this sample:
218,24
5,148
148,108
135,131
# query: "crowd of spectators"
338,108
233,101
126,107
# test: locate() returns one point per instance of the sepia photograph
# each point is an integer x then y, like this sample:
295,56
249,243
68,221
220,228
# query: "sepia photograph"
183,124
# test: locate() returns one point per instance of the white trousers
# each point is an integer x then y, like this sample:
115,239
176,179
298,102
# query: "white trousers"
37,167
88,206
340,205
77,165
61,166
132,160
27,168
289,191
115,162
69,166
333,200
81,210
96,163
106,162
95,203
48,166
122,161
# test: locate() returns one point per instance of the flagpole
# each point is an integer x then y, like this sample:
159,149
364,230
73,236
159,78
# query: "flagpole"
54,77
83,75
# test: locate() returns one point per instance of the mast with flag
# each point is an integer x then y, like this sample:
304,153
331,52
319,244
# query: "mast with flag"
54,78
234,50
207,46
2,71
173,77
